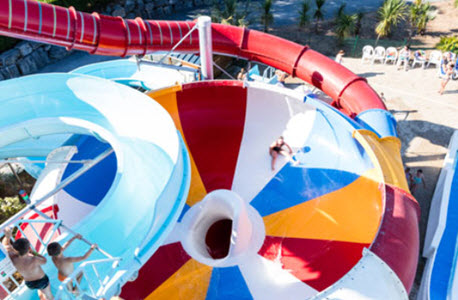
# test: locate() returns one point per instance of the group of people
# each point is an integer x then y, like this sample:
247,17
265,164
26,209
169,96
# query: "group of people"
414,181
29,263
447,66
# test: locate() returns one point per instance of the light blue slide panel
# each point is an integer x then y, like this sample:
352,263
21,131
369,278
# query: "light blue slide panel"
379,121
152,173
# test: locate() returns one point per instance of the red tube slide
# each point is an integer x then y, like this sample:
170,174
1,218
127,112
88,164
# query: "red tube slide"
106,35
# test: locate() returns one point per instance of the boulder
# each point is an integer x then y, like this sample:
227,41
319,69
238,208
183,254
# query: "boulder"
129,6
9,57
149,9
40,56
27,65
57,53
167,10
24,48
119,12
35,45
10,72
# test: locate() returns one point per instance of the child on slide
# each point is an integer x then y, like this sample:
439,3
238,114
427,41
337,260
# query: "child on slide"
65,264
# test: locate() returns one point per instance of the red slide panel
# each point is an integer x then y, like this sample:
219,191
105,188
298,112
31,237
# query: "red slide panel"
398,240
114,36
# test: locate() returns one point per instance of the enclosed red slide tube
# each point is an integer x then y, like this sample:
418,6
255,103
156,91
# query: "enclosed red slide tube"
115,36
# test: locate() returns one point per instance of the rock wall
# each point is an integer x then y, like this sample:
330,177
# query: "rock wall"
150,9
29,57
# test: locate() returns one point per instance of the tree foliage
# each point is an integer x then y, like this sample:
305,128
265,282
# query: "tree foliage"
266,17
390,14
304,17
341,10
359,18
228,12
9,206
426,13
345,24
319,13
448,43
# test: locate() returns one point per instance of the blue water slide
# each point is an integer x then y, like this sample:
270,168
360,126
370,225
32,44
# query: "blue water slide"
141,75
152,165
379,121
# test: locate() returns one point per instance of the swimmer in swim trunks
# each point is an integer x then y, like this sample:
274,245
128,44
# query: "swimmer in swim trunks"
28,263
276,148
65,264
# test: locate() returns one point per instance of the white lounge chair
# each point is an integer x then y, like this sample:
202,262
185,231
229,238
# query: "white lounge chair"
404,57
379,54
391,55
368,53
420,58
435,58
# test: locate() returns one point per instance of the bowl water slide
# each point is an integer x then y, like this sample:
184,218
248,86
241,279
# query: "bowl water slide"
197,212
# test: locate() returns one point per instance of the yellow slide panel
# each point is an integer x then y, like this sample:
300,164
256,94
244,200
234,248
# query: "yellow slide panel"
189,282
385,152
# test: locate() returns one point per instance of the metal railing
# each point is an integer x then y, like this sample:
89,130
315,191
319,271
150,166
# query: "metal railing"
82,280
20,227
30,215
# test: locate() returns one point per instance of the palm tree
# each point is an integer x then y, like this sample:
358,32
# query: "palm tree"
390,14
319,13
341,9
426,13
359,18
267,18
227,13
304,18
419,15
413,17
345,26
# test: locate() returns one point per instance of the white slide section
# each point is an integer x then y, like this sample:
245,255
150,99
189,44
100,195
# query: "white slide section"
370,279
267,280
270,113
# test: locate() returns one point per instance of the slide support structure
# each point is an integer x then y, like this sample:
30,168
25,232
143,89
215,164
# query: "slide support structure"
204,24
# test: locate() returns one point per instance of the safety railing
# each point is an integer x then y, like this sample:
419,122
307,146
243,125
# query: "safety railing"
268,73
23,224
87,280
25,228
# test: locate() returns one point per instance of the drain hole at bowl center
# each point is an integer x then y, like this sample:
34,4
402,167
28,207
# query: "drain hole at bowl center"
218,238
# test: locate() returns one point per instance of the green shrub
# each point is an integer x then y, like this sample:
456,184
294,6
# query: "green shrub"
448,43
9,206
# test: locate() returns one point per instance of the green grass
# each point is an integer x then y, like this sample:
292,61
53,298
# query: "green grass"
82,5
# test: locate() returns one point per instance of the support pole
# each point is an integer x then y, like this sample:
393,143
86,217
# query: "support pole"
206,49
